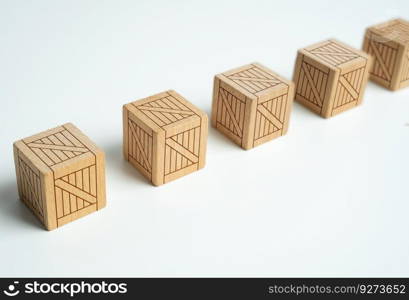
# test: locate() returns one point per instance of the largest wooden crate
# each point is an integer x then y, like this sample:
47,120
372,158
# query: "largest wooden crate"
60,175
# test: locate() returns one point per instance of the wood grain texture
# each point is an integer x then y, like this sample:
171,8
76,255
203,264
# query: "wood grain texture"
59,172
330,77
388,43
251,104
166,136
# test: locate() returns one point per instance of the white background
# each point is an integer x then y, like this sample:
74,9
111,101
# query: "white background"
329,199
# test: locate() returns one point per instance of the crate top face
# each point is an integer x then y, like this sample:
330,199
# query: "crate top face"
396,30
164,111
335,55
254,80
57,148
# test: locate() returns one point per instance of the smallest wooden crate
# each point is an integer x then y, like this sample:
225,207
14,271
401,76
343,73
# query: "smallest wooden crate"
388,43
251,105
60,175
165,136
330,77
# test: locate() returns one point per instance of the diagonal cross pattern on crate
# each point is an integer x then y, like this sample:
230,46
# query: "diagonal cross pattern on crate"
348,87
254,79
385,59
270,116
31,188
140,146
231,112
165,111
312,84
57,148
182,150
333,53
75,191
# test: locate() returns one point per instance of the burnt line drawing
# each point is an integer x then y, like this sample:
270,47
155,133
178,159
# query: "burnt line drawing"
231,112
254,79
140,145
31,187
165,110
312,84
182,150
333,53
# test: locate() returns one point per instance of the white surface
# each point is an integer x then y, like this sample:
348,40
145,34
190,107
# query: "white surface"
329,199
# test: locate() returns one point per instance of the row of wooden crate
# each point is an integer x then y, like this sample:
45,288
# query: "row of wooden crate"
61,172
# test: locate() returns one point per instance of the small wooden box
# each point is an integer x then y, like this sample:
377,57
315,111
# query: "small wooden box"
60,175
388,43
165,136
251,105
330,77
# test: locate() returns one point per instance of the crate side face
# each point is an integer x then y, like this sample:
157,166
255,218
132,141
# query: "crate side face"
140,148
312,83
271,117
405,70
230,112
349,87
183,149
385,53
30,185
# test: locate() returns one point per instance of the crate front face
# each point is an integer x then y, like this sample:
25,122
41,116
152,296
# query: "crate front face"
349,87
72,190
76,191
182,151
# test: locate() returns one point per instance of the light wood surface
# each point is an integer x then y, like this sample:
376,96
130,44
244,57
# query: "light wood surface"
60,175
330,77
388,43
165,136
251,104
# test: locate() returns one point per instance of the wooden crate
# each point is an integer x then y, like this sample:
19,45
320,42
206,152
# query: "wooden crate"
60,175
251,104
330,77
388,43
165,136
